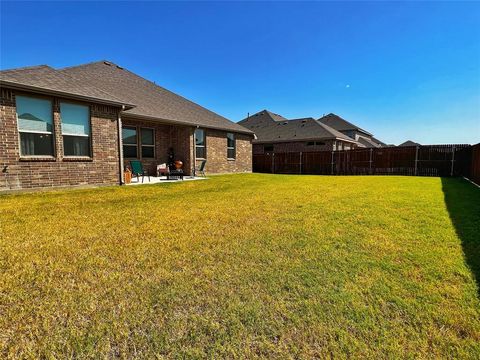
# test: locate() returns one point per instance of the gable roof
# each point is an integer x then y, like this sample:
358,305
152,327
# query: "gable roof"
409,143
151,101
274,116
46,80
276,128
340,124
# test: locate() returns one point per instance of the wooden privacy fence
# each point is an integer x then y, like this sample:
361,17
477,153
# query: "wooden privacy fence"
429,160
475,165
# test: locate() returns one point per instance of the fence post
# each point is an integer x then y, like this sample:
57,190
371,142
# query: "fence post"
416,160
453,161
300,163
332,161
370,162
273,163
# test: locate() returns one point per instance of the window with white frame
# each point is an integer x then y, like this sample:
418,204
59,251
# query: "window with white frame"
75,129
129,139
231,146
147,138
35,126
200,144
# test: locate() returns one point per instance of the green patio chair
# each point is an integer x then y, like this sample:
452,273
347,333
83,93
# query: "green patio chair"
138,170
201,168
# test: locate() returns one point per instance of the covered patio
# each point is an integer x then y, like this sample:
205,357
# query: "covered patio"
153,144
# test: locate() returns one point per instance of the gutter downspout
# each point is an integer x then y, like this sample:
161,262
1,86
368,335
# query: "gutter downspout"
194,152
120,146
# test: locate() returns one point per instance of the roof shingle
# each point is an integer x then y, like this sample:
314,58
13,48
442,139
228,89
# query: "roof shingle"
340,124
43,78
151,101
106,82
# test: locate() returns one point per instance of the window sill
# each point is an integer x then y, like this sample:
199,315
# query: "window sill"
200,159
37,158
77,158
231,159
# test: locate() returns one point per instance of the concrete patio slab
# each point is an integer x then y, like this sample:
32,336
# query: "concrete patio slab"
162,180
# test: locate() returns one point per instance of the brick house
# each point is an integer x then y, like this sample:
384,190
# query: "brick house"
274,133
83,124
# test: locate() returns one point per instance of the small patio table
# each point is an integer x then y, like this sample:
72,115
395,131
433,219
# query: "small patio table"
175,175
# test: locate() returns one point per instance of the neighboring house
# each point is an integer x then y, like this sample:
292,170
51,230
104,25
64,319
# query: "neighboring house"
83,124
363,137
274,133
409,143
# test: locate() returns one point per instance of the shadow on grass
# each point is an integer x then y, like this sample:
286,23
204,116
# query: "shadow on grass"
463,203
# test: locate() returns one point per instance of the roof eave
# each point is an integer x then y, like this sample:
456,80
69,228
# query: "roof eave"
346,140
45,91
365,132
184,123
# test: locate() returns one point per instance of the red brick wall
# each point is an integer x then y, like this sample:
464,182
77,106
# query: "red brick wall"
101,168
217,161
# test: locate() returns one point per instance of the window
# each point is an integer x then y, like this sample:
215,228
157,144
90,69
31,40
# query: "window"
131,142
75,129
200,148
268,148
311,143
129,136
35,125
231,146
148,143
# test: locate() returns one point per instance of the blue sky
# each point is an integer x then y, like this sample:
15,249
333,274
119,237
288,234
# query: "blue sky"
400,70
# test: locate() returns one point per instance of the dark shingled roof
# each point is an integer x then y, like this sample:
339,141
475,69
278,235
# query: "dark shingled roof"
340,124
276,128
105,82
151,101
409,143
45,79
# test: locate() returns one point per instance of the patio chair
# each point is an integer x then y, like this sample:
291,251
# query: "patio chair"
201,168
138,170
162,169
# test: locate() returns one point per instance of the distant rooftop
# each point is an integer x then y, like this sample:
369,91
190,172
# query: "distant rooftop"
409,143
340,124
271,127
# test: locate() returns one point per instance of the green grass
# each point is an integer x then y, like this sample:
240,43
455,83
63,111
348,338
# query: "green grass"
243,266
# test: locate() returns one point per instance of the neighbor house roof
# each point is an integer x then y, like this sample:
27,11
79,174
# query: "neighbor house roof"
367,142
276,128
44,79
151,101
340,124
409,143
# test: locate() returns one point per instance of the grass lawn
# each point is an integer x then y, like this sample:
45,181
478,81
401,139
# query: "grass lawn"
243,266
